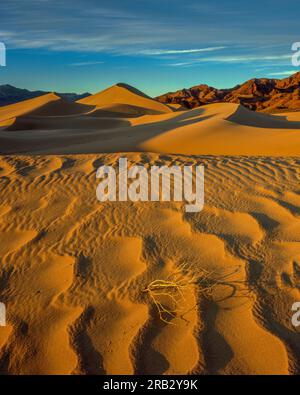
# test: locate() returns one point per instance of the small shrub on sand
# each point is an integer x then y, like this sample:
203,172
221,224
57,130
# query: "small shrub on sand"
169,295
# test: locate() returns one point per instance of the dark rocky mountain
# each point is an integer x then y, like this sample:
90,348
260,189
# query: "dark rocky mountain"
10,94
258,94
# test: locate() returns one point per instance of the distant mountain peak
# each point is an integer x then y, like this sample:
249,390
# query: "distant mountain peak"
9,94
261,94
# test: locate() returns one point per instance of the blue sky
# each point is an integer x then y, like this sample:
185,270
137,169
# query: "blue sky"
154,45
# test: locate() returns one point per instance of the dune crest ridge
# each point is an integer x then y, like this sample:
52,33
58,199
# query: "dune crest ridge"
125,94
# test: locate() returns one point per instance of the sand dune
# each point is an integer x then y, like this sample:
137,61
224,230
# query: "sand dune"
293,116
75,271
226,129
125,94
14,110
51,126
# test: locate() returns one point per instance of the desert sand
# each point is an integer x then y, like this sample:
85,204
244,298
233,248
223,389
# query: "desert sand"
123,119
73,270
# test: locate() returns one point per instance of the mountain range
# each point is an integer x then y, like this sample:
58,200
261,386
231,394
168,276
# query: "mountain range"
258,94
10,94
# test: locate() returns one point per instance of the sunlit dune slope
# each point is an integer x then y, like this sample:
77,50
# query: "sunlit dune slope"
290,116
125,94
8,113
225,129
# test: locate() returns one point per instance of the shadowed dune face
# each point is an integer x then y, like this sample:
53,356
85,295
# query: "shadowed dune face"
60,107
244,117
74,269
122,111
60,125
14,110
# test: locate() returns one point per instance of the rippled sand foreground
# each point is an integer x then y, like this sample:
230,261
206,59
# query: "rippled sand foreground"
73,270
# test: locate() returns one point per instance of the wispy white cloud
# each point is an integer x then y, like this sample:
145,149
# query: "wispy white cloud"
246,58
179,51
121,27
233,59
283,73
183,64
91,63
